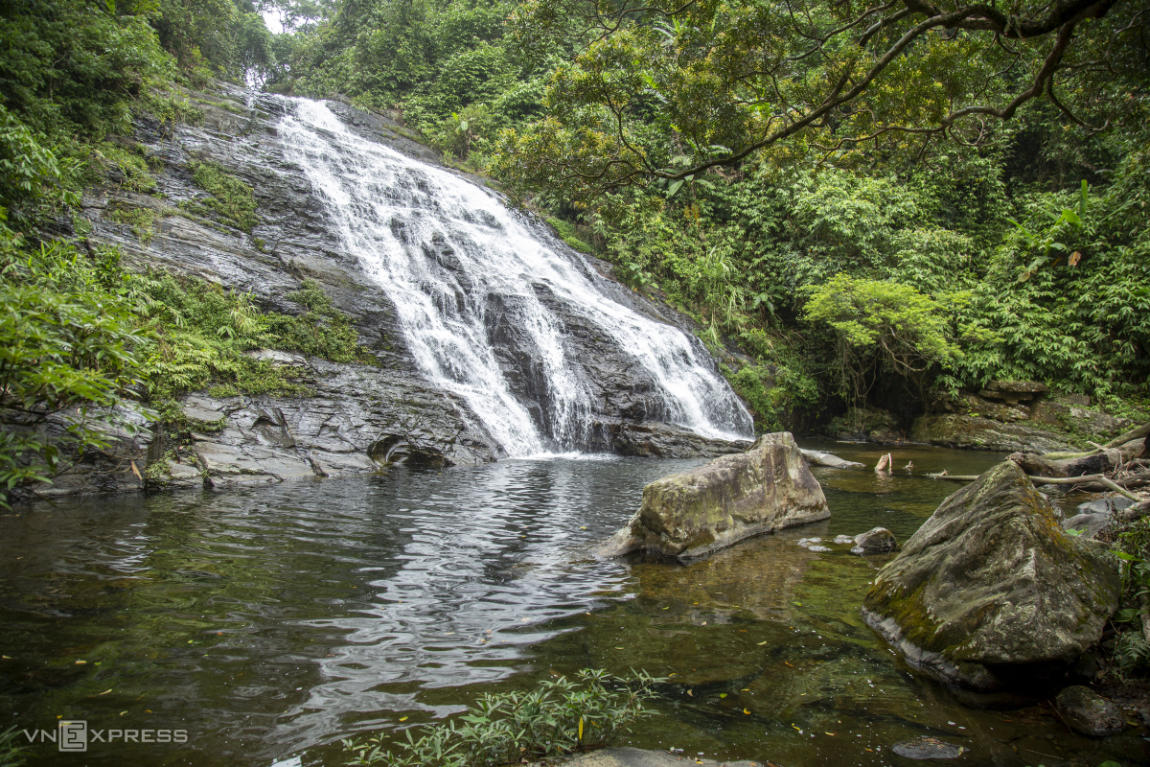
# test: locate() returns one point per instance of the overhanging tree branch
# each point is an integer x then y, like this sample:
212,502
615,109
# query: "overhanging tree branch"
855,52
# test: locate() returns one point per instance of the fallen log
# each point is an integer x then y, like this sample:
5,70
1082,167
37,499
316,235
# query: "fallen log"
822,458
1072,465
1139,432
1085,479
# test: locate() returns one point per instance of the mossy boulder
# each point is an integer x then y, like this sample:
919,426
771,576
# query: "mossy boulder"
991,584
698,512
977,432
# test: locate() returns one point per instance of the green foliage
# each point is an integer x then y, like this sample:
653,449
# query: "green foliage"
1066,295
569,234
203,334
777,396
560,716
321,331
34,180
229,199
215,38
70,349
73,69
80,338
443,65
677,88
881,326
12,750
127,165
1130,650
141,220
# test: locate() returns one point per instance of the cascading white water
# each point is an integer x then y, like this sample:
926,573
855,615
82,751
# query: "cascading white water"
446,251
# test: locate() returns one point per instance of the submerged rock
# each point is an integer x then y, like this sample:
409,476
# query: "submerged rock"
1089,525
695,513
1088,713
990,583
877,540
927,747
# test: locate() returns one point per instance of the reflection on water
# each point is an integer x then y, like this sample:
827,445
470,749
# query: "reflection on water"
277,620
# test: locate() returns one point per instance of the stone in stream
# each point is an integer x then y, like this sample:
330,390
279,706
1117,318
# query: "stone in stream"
990,585
877,540
1089,525
927,747
1088,713
698,512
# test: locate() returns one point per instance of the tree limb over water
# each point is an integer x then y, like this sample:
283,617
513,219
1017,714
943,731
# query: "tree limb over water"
729,79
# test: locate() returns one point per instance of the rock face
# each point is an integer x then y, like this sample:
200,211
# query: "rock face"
990,583
1015,415
981,433
359,420
361,415
695,513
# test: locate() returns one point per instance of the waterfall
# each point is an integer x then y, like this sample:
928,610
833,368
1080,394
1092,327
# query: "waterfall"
470,279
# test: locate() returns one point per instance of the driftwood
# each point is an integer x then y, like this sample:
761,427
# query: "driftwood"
1119,465
1096,480
821,458
1141,432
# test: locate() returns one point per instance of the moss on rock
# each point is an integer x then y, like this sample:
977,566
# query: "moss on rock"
989,580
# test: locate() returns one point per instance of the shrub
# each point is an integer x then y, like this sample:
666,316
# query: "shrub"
881,327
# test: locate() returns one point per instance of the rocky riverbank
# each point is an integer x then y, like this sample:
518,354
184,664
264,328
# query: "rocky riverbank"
1006,416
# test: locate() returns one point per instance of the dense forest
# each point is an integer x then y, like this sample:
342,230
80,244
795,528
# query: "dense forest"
865,204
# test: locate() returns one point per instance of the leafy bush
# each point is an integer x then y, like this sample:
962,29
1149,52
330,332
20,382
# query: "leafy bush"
1130,650
560,716
71,347
34,180
881,327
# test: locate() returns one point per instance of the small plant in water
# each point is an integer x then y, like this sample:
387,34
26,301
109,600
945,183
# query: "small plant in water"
12,750
559,716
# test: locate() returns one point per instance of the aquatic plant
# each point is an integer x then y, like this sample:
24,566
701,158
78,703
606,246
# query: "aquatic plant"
559,716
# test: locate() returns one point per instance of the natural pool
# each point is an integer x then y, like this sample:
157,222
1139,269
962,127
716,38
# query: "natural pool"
274,621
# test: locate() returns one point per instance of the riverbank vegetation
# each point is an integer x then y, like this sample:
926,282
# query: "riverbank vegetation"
560,716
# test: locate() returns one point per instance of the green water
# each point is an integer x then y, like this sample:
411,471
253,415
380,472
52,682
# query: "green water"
272,622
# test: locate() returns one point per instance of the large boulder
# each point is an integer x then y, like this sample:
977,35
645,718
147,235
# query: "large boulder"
990,583
698,512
